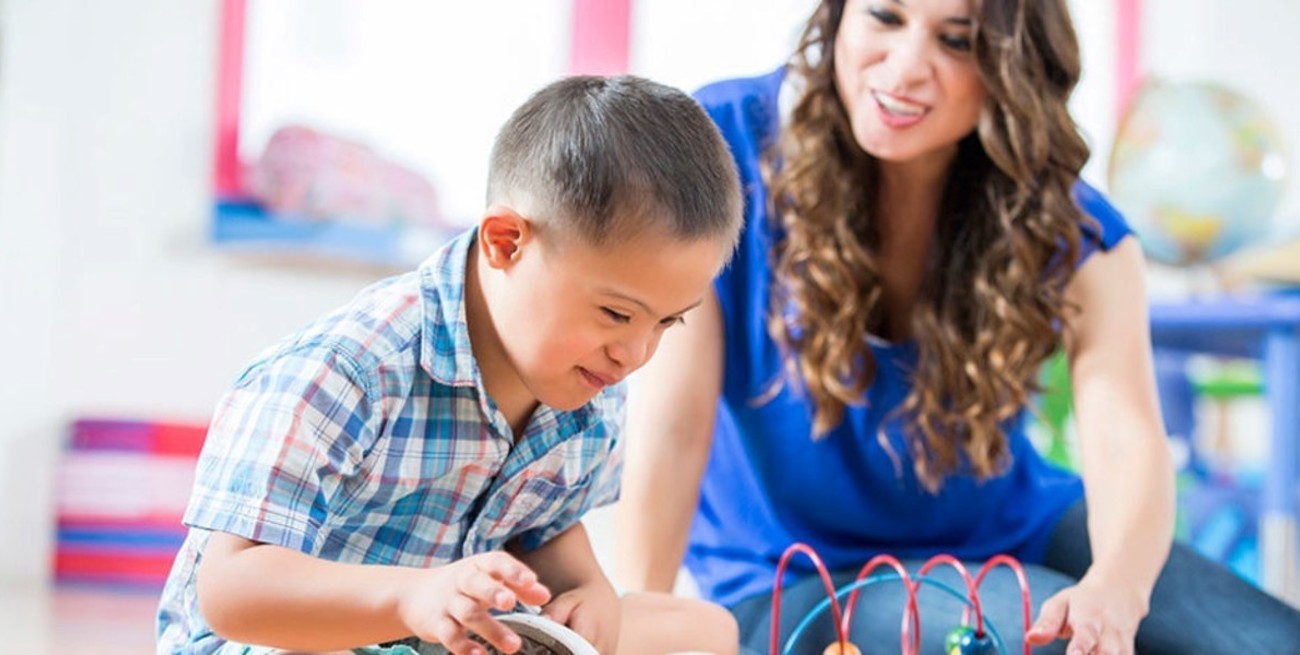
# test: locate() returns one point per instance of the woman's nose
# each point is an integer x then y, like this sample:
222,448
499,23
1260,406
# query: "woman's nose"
910,59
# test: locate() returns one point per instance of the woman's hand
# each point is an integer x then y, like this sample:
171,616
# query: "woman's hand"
593,611
1098,617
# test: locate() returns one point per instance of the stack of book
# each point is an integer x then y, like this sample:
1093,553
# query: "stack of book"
122,487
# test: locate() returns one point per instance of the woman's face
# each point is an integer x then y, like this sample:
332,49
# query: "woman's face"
907,78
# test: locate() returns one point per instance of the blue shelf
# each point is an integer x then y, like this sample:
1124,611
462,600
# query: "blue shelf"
244,225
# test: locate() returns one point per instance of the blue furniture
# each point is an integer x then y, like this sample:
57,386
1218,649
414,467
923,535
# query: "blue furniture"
1265,327
244,225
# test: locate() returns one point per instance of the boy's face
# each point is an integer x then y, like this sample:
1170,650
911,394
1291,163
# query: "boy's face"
573,318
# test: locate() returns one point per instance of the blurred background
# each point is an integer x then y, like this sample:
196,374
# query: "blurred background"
184,182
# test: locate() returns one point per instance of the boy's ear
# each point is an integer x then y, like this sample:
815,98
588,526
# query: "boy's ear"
501,236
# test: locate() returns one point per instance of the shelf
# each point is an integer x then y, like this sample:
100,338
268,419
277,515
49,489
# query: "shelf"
244,226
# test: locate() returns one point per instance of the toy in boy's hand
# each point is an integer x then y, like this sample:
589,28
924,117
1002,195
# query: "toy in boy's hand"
538,634
542,636
974,636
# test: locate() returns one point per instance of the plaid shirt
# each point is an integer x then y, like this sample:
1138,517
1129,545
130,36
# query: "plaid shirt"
368,438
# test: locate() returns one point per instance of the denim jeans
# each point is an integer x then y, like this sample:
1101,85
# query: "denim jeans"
1197,606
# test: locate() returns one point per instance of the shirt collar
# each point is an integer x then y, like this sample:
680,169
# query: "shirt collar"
445,352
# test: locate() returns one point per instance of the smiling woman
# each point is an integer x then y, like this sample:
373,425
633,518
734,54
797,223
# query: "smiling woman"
918,241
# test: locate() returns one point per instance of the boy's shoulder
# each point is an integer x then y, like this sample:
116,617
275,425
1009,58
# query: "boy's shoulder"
398,322
382,321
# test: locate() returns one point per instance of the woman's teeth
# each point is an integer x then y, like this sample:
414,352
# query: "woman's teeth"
898,107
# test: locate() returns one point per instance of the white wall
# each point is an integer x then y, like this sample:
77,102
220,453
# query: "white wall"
1247,45
1093,103
379,72
109,301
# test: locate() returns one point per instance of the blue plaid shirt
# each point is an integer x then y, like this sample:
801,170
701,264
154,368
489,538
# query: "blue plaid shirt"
368,437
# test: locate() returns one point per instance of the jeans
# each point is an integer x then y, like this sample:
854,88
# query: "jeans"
1197,606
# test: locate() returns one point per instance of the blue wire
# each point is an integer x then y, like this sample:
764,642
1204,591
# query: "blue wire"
845,590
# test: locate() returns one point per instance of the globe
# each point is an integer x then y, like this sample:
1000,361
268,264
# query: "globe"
1198,171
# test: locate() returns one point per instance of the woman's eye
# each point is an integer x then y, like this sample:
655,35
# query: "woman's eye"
615,316
884,16
959,43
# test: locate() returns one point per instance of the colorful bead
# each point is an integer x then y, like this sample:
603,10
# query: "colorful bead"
963,640
834,649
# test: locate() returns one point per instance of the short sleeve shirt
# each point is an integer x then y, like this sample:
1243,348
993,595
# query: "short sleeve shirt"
768,484
368,437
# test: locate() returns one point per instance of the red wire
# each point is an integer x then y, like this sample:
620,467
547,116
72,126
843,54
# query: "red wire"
836,614
971,590
911,612
1014,565
911,617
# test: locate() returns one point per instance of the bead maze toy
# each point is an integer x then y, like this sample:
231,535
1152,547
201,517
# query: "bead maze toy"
974,636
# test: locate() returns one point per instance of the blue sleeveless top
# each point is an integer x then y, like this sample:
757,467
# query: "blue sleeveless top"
769,484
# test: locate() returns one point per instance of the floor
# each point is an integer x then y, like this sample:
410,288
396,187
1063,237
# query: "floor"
77,620
38,619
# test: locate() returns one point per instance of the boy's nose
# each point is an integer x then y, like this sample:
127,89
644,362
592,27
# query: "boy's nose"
630,354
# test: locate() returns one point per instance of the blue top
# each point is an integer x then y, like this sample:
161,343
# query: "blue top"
769,484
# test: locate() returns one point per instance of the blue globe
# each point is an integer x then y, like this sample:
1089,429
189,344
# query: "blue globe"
1198,170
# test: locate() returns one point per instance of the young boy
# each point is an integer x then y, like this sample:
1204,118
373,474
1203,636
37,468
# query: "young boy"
419,459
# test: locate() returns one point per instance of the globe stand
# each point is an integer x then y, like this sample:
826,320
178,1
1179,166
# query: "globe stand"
1205,280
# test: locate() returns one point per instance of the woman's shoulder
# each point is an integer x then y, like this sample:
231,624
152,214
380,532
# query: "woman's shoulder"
1108,225
739,89
743,103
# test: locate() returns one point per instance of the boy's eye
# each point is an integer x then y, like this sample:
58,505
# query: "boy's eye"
885,16
615,316
672,320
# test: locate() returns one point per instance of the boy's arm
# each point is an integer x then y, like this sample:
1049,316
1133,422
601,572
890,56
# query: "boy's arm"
269,595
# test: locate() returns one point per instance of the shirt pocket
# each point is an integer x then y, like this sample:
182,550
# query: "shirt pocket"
531,502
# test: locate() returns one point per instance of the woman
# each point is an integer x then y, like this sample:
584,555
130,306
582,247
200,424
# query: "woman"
917,243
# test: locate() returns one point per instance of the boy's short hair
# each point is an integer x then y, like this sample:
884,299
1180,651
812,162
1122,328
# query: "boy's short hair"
615,156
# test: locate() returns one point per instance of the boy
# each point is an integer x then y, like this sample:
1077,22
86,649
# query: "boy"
421,457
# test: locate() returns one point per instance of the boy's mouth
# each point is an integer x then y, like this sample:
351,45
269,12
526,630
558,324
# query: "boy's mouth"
597,380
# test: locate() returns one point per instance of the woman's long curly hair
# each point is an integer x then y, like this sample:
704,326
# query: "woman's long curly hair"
991,304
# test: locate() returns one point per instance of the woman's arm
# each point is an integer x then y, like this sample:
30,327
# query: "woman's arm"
1127,469
670,431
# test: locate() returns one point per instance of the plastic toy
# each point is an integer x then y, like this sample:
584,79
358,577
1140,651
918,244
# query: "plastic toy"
974,636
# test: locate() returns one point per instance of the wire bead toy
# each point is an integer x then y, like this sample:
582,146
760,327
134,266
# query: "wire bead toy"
974,636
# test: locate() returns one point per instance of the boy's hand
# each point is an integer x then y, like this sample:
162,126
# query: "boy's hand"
593,611
446,603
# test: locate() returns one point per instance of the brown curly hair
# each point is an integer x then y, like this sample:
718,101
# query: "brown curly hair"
992,301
